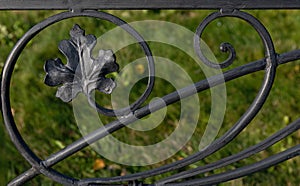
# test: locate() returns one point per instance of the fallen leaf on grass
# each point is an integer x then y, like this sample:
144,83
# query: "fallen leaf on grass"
98,164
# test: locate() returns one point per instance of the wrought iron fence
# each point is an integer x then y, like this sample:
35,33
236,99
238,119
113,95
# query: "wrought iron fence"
85,74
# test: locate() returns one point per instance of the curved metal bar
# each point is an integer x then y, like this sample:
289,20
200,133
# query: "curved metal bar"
224,47
243,171
270,70
12,59
236,157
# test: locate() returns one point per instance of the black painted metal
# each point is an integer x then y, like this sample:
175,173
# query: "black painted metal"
146,4
58,74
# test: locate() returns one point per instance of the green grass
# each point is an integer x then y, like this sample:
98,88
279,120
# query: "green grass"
47,124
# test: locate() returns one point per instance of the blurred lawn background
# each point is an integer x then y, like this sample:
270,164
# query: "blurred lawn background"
47,124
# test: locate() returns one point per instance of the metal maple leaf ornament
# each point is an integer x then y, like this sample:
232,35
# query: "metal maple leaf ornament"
82,73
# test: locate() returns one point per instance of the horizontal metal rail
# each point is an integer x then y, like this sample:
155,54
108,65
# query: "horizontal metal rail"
146,4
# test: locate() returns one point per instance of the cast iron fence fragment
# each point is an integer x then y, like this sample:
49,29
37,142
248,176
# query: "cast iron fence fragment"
134,112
